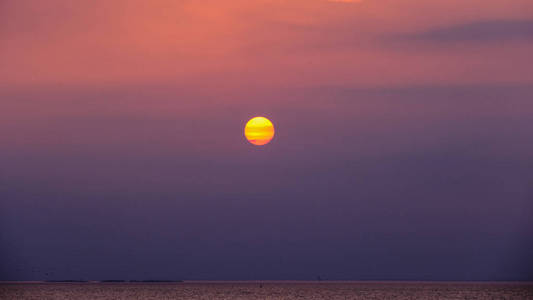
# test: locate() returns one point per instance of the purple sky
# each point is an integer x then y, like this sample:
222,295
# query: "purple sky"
403,147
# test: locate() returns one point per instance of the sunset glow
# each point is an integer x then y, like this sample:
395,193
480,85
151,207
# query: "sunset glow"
362,140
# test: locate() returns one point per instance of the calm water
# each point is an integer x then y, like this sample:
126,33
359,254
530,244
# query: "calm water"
267,290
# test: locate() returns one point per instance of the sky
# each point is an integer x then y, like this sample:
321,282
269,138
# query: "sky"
403,146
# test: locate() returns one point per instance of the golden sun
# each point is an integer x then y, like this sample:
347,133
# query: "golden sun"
259,131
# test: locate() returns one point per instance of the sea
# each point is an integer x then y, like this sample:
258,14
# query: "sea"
268,290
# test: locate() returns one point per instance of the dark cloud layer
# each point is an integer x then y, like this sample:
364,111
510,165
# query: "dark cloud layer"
494,30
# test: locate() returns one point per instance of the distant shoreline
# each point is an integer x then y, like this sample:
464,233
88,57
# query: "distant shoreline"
263,281
93,281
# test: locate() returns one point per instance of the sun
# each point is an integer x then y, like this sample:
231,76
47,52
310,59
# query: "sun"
259,131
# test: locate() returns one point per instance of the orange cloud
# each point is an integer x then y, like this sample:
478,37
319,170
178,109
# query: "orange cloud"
264,42
345,1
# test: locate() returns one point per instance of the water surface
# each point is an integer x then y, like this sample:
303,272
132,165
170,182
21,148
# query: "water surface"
268,290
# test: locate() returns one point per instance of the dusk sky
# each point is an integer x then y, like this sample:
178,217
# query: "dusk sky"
403,146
